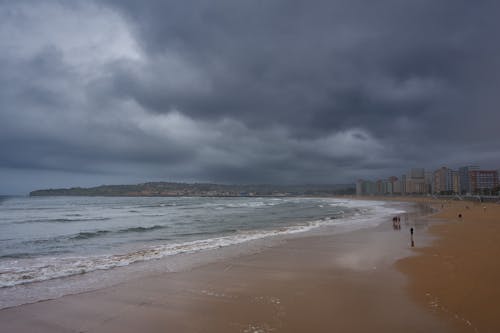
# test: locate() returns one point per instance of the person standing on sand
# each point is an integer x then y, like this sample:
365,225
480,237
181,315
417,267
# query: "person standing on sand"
411,238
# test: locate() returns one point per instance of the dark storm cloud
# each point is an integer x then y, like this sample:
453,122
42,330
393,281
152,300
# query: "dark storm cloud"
248,91
411,70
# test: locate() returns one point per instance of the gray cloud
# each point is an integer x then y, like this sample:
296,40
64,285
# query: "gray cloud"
257,91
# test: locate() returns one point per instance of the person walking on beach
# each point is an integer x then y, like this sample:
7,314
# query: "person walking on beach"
411,238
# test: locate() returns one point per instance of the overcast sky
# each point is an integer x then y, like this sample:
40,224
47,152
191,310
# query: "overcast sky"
261,91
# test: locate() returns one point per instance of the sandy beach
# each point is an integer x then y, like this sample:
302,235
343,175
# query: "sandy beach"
369,280
458,276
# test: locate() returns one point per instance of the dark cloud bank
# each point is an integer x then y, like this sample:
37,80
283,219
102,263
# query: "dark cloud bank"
244,91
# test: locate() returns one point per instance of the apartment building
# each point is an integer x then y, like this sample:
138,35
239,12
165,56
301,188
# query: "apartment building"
483,181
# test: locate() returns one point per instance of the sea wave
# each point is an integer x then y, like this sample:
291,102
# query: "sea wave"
40,269
97,233
62,220
90,234
22,271
83,235
143,229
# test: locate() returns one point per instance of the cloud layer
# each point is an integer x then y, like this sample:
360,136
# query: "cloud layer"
244,92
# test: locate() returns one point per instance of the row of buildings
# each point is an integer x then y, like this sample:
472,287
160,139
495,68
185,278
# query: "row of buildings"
466,180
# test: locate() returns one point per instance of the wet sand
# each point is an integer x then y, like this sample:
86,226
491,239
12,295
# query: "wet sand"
328,283
458,277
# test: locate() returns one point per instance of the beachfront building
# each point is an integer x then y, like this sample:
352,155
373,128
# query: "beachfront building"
393,186
417,173
359,187
415,184
397,187
483,181
403,184
455,181
446,181
497,190
379,187
365,187
389,189
429,181
464,178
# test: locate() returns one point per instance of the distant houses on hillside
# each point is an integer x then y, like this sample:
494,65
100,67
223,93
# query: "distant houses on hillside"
467,180
169,189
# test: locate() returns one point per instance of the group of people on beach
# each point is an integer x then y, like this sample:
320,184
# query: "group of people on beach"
396,223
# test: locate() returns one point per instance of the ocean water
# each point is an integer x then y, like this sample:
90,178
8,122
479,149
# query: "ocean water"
45,238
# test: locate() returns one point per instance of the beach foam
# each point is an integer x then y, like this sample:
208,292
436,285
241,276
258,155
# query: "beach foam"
21,271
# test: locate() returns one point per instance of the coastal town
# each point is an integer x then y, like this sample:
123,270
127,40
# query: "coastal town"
467,180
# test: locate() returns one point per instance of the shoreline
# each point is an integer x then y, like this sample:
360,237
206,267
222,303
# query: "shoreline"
456,275
314,283
244,244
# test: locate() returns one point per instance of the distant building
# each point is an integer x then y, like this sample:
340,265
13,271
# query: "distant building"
429,182
359,187
403,184
393,186
446,181
468,179
366,187
389,189
415,184
417,173
464,178
439,180
397,187
455,182
392,179
483,181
